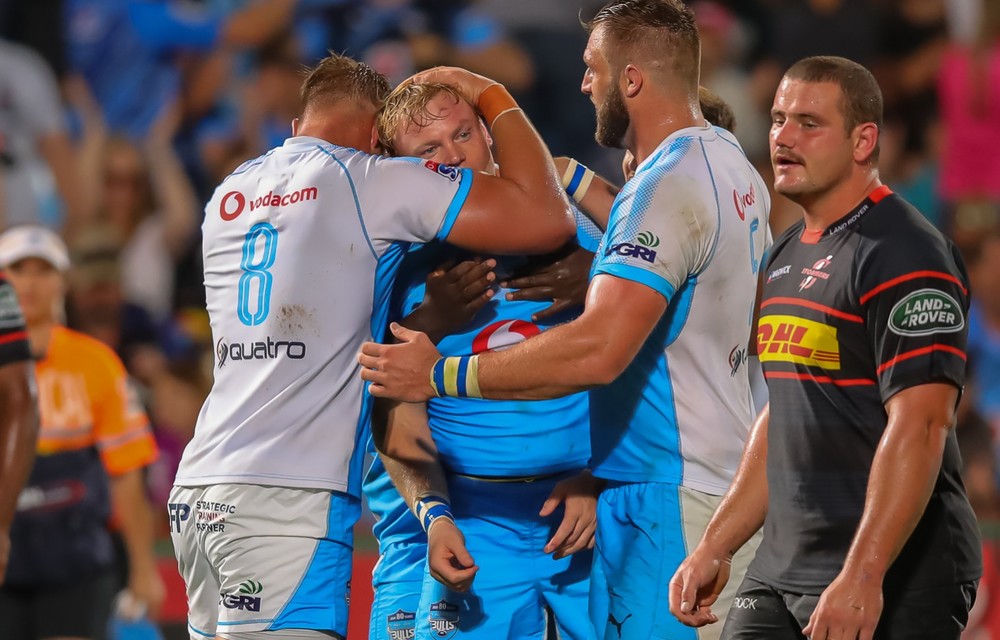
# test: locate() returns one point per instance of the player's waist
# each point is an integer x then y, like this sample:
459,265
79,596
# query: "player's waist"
510,479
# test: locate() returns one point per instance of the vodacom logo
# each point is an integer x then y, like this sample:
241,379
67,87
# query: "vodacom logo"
232,205
503,334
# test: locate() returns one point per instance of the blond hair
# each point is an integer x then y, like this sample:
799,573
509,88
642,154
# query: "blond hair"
408,104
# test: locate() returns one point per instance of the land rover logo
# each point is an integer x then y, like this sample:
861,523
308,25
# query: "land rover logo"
925,312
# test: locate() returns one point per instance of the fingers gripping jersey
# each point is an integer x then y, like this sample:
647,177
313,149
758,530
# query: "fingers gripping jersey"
300,250
691,225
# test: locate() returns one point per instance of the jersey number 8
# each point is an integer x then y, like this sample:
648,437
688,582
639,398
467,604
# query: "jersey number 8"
256,270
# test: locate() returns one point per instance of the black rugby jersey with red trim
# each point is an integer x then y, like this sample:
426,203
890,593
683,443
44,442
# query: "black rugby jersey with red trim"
13,335
850,316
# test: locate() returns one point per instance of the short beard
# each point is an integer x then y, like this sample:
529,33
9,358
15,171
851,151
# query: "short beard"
612,120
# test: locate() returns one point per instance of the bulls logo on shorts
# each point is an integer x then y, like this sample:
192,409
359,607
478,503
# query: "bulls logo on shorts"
401,625
443,619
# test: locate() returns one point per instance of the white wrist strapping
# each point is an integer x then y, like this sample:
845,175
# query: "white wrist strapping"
576,180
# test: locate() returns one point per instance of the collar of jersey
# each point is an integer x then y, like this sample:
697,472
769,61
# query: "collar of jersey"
705,132
308,140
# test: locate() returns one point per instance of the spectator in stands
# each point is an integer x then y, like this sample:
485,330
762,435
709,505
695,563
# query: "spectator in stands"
969,91
94,443
37,159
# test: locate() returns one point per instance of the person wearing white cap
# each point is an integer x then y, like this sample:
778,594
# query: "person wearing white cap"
94,441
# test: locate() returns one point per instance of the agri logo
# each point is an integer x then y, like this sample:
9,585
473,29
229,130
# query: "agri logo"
643,248
647,239
925,312
503,334
245,598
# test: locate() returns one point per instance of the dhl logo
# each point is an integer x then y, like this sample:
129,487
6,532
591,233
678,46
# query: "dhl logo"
792,339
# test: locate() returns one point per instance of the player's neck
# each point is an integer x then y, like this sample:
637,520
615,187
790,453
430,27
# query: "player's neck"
39,337
822,210
650,128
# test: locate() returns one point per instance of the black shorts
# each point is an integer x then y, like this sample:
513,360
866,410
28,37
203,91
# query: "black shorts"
761,612
77,610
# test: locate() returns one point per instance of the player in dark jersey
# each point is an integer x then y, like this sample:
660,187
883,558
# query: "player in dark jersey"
867,528
18,413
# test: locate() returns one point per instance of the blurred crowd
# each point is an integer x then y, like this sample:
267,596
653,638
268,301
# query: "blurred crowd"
118,118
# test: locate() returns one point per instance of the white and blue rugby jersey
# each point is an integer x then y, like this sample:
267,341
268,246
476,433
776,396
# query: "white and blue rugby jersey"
691,225
300,249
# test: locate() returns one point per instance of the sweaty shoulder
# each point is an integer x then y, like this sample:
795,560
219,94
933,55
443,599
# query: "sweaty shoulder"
896,241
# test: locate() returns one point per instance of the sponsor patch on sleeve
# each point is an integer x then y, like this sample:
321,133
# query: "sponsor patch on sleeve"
447,171
925,312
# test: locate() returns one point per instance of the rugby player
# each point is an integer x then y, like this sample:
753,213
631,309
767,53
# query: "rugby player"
853,470
509,464
670,405
301,246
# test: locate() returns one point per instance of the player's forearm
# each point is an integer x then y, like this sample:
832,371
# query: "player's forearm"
403,439
18,438
525,161
596,201
563,360
128,496
744,507
903,474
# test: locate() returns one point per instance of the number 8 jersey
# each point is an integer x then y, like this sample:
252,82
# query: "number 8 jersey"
300,251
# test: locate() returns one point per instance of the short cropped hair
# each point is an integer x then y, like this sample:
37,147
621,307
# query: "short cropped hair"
408,104
338,77
663,30
861,97
716,110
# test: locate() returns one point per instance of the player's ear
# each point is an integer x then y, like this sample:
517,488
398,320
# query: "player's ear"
631,81
376,144
865,141
486,132
295,127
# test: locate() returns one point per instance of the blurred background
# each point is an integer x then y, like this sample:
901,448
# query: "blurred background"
119,117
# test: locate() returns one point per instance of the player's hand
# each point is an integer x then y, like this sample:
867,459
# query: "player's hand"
453,296
400,371
448,560
147,587
849,608
696,586
470,84
579,523
562,278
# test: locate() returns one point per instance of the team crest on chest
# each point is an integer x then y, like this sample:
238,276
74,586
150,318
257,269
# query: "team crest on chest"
815,273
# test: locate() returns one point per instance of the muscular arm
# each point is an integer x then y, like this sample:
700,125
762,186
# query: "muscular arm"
524,210
18,441
903,475
403,439
742,510
590,351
